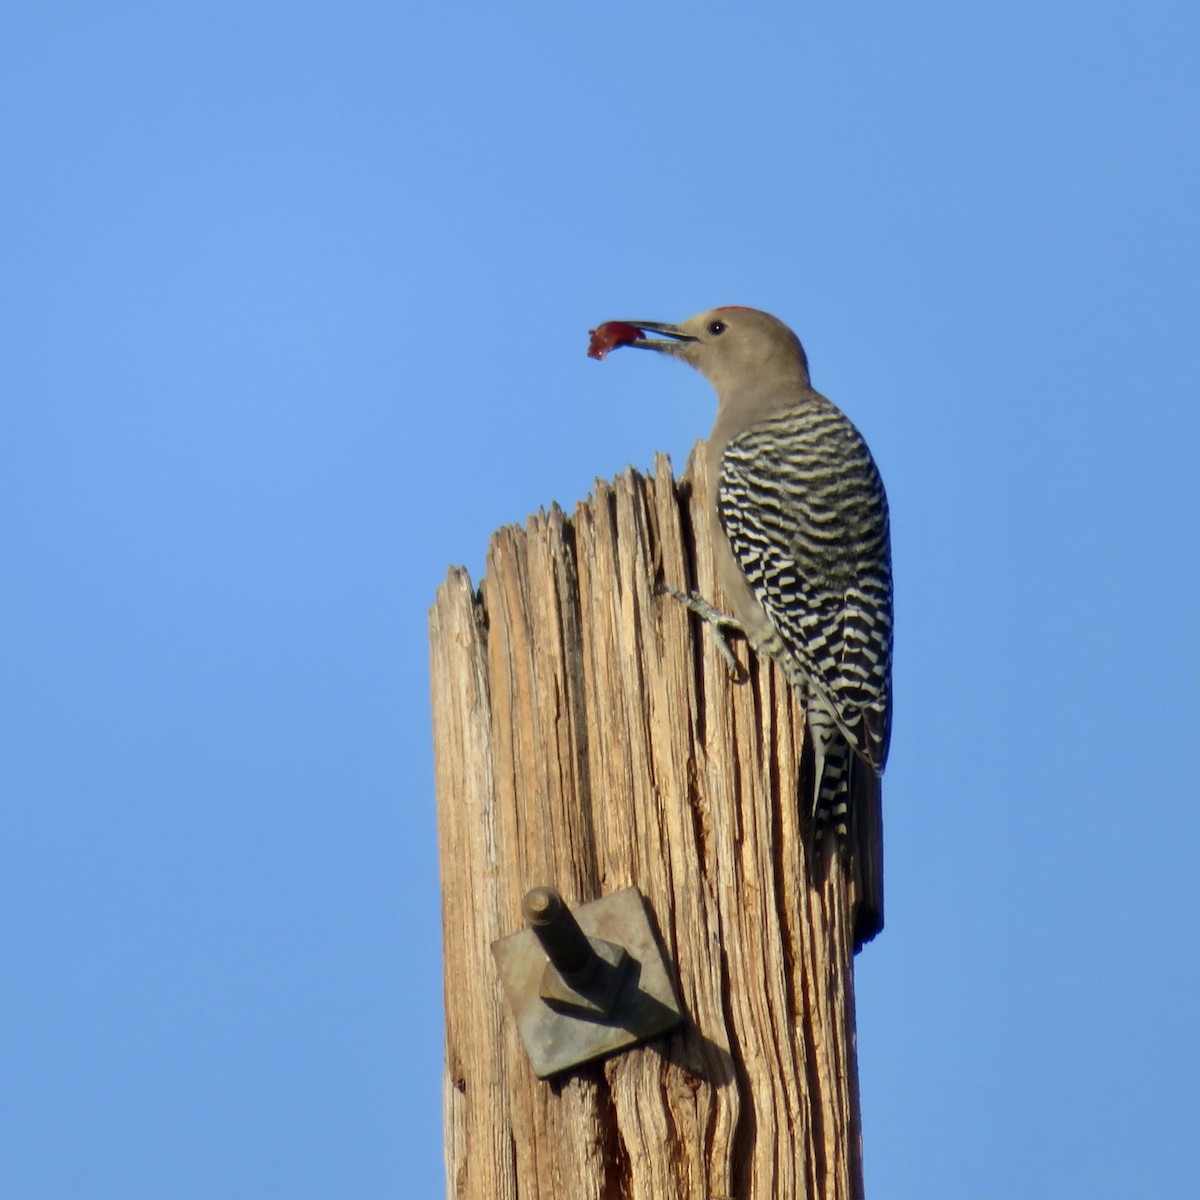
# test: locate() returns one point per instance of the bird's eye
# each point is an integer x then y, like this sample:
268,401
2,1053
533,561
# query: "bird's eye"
716,328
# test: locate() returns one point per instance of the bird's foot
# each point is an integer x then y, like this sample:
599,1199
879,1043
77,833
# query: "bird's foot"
720,622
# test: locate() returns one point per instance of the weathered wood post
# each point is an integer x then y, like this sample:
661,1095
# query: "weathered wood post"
588,736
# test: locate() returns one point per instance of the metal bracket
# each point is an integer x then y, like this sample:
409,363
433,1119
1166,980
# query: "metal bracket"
585,984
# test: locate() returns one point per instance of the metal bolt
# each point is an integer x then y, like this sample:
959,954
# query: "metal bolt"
565,944
626,994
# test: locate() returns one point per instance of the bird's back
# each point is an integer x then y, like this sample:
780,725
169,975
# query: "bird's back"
803,508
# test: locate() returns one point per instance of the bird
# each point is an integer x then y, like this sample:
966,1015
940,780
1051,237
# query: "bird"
800,528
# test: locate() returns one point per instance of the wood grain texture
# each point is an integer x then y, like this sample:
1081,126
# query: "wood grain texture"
588,736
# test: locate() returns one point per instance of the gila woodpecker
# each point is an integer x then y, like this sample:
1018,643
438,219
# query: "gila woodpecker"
800,527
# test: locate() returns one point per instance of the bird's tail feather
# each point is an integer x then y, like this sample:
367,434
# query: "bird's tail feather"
831,791
845,798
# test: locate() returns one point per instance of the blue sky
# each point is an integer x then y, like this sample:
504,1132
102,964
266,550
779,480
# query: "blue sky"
295,303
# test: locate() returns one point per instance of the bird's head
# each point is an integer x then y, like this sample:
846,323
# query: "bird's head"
732,347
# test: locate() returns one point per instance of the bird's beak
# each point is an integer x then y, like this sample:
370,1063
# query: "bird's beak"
675,339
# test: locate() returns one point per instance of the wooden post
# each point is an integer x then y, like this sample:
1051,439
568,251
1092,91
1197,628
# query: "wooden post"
588,736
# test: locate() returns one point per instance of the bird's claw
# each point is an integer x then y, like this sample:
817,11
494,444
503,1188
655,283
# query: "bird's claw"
719,621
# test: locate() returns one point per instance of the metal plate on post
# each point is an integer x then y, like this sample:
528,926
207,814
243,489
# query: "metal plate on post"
558,1038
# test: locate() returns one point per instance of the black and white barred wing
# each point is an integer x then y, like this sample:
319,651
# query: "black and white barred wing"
806,516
